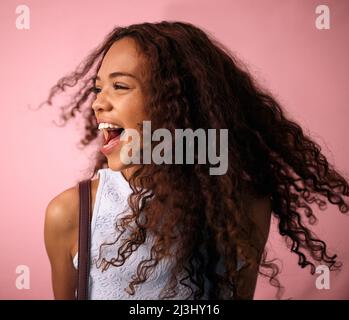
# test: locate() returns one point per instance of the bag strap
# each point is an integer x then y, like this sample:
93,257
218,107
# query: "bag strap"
85,215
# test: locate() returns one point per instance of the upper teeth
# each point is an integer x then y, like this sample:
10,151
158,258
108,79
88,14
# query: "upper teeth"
104,125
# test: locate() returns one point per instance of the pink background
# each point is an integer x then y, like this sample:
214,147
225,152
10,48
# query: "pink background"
306,69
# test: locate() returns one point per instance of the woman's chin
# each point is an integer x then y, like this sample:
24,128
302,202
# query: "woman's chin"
115,164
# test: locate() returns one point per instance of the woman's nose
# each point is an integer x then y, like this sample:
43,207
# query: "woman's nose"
101,104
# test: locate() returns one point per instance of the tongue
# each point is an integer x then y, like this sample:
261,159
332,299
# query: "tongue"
113,134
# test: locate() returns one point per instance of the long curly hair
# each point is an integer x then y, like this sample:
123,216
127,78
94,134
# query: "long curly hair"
195,82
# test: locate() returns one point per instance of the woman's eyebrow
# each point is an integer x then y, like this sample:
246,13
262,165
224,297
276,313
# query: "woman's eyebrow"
118,74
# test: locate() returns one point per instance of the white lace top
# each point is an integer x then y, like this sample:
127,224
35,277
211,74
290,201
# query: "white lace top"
110,203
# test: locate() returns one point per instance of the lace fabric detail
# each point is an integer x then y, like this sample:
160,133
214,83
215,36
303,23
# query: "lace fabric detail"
111,284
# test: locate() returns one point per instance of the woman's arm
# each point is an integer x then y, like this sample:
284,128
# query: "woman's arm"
60,225
261,216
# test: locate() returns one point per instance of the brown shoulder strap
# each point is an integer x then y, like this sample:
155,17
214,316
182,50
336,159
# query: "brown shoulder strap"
85,215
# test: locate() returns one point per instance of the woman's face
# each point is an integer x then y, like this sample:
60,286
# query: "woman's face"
120,92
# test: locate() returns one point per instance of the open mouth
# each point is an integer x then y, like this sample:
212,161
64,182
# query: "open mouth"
112,133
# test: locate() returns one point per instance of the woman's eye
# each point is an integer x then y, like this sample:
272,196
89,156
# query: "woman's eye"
117,86
96,90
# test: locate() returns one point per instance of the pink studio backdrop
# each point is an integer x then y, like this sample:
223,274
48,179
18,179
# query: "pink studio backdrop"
306,69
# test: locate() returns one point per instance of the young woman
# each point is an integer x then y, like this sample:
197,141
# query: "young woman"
175,231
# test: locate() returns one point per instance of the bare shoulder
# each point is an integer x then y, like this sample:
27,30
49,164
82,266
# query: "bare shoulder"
62,212
61,234
61,223
259,213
